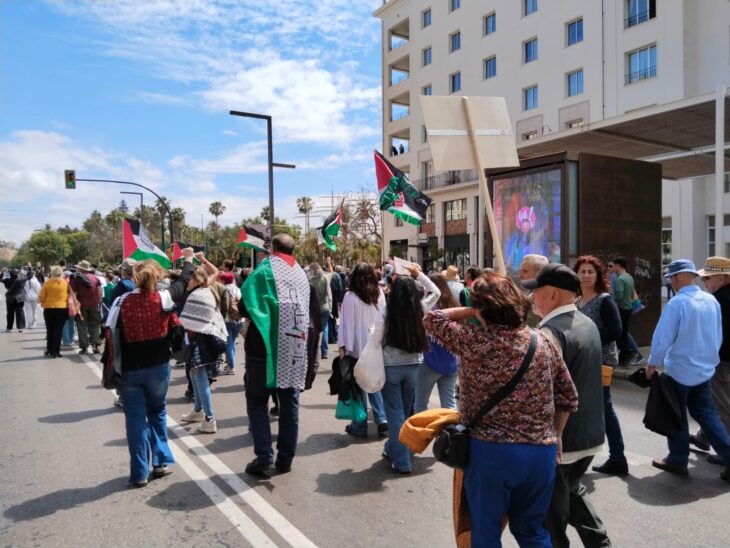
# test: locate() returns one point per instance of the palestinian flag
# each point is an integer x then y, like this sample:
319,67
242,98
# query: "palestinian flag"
250,237
178,246
276,295
397,195
330,228
137,245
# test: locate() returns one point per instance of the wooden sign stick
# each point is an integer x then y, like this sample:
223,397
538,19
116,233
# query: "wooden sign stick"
485,189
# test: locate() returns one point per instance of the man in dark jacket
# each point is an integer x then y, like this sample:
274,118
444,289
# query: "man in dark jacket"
14,282
553,294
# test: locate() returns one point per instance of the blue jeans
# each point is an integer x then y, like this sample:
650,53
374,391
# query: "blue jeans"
325,315
613,429
144,392
257,409
201,390
515,479
69,332
234,328
698,401
427,377
376,402
398,393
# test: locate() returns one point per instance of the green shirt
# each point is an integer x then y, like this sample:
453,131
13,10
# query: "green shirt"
623,290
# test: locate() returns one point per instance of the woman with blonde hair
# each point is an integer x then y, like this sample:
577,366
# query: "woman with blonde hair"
207,335
146,317
53,297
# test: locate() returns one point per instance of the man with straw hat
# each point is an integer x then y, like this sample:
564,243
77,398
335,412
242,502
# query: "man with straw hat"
716,278
452,278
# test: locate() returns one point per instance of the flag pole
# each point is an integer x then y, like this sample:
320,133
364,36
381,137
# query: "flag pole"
497,244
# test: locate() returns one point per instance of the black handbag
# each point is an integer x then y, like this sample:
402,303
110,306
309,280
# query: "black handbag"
451,445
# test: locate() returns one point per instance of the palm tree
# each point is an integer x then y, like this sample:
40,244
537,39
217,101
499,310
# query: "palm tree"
216,209
178,220
305,206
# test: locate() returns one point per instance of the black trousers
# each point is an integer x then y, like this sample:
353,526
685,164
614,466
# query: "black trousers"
570,506
55,318
15,314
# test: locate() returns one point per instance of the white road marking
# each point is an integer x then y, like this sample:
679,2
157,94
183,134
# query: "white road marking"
247,528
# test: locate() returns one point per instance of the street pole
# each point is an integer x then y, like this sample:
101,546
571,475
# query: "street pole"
141,201
271,162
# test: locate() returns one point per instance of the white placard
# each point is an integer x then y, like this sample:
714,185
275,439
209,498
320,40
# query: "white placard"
400,266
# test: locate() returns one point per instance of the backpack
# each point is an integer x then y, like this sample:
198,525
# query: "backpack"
233,314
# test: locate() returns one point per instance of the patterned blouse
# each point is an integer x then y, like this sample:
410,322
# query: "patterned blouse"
490,356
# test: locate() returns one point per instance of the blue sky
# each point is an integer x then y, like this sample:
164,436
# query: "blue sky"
140,90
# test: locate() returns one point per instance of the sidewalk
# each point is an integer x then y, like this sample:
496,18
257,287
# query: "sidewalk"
624,372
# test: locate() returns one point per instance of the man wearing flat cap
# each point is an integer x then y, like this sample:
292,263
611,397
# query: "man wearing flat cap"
553,298
716,278
687,343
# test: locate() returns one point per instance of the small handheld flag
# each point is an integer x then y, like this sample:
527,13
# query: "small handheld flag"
397,195
251,238
330,228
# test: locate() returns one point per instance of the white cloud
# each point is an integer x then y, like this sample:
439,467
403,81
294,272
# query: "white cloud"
159,98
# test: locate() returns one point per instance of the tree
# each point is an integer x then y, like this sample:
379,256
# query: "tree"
47,247
123,207
178,221
305,205
216,209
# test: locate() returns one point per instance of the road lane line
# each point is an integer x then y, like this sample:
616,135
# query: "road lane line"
249,496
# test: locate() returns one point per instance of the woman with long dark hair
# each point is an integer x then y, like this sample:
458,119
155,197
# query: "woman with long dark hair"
358,314
404,342
596,302
146,318
514,450
439,365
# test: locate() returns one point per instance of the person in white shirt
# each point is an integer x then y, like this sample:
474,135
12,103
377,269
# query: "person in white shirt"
32,288
452,278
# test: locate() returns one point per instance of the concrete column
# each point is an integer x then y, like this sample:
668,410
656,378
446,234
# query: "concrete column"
719,170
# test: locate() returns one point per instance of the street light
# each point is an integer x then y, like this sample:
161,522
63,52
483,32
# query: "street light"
272,164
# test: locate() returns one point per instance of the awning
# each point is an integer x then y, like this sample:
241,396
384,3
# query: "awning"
679,135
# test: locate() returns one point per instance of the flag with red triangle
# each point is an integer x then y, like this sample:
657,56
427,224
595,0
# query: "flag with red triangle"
251,238
178,246
137,245
397,195
330,228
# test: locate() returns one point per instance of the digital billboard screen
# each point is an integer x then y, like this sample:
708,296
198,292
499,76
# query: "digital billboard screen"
527,213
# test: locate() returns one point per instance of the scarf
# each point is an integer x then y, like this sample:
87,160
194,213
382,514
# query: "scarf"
200,314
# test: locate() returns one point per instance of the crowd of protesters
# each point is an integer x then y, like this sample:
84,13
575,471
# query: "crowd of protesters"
567,326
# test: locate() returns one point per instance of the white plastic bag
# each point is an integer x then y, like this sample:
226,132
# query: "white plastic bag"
370,369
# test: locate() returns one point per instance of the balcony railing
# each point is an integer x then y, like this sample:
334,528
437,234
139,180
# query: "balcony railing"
395,44
398,115
642,74
446,179
399,77
636,18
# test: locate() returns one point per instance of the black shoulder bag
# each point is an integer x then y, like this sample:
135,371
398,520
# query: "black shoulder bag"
451,445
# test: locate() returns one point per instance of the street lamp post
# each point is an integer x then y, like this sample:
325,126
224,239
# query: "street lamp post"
271,162
141,201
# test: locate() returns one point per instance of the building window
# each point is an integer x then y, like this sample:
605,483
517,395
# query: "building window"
574,123
575,82
426,56
529,98
530,6
455,210
530,50
641,64
575,31
455,42
490,23
426,18
639,11
710,235
455,82
431,214
490,67
529,136
666,240
427,90
726,183
454,5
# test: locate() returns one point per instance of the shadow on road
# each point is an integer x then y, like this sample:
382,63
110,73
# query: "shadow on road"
64,499
181,497
665,489
77,416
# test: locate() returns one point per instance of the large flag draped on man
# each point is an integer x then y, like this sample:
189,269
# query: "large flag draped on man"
330,228
276,295
397,195
137,245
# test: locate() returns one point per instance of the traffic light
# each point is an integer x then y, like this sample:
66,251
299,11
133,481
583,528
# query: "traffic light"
70,178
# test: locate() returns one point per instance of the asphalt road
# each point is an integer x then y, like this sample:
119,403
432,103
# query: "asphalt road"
64,465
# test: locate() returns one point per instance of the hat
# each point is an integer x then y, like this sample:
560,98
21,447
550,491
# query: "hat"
127,264
226,277
451,273
715,266
679,266
556,275
84,265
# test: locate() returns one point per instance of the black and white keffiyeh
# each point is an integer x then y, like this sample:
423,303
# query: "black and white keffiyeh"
200,314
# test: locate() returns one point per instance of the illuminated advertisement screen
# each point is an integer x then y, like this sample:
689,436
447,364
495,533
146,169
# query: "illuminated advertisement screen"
527,212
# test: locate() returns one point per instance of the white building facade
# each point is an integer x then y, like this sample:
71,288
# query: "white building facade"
562,66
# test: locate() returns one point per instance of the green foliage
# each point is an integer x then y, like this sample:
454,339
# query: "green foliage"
46,247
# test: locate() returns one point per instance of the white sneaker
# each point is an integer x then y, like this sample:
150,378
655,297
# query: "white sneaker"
208,427
193,416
